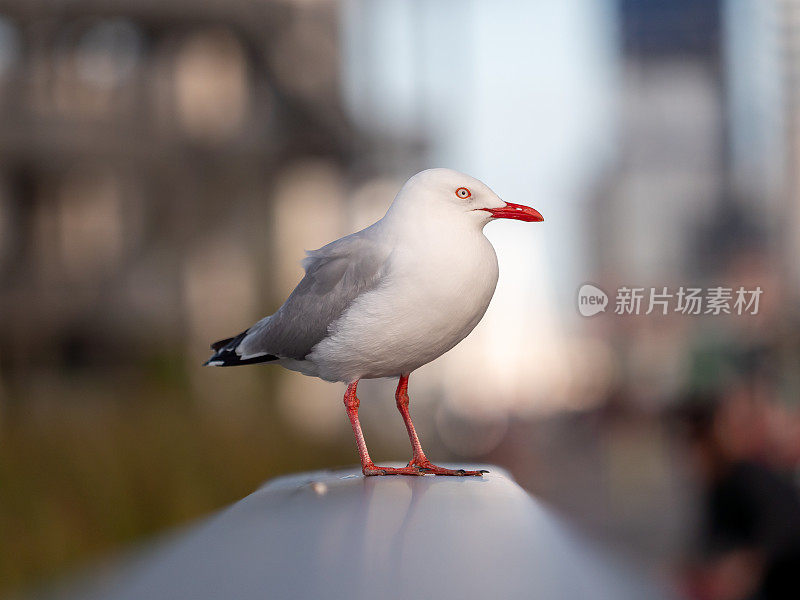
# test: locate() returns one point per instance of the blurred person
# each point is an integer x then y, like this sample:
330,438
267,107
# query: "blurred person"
749,546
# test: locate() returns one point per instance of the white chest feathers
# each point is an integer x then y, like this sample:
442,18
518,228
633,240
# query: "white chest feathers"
432,297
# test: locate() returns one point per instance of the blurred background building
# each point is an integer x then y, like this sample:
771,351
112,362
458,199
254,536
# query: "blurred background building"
163,165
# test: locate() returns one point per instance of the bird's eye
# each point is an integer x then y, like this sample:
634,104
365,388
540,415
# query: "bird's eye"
463,193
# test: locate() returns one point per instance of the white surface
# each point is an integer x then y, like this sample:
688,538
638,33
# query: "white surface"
339,535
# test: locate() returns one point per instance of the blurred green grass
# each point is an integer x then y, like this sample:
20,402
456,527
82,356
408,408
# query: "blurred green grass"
88,468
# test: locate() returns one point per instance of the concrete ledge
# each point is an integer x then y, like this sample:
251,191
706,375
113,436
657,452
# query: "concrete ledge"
335,534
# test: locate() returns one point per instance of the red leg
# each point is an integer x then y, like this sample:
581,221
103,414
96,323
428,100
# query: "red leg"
351,403
418,458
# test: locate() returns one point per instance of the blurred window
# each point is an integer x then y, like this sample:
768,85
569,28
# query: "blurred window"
9,46
108,53
658,28
211,85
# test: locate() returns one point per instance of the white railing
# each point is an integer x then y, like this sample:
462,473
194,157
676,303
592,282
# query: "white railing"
335,534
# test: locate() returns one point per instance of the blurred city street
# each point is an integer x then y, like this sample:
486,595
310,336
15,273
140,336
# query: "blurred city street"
165,164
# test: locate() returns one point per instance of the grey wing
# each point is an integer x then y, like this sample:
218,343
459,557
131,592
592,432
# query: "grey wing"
335,275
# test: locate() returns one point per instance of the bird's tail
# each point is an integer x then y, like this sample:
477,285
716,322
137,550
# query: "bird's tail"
225,354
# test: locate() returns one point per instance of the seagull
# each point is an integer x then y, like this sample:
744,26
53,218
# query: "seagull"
388,299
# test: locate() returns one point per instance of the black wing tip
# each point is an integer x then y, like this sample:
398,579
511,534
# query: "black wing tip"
234,360
216,346
225,354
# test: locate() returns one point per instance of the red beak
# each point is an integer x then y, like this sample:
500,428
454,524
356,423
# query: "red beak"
516,211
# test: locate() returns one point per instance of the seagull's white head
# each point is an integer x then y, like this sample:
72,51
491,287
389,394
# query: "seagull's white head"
452,195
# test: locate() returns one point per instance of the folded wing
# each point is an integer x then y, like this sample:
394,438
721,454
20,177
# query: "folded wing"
336,275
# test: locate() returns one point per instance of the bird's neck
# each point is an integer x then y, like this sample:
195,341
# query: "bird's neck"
442,245
430,228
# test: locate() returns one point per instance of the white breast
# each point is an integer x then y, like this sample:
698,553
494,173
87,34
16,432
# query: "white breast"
433,296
